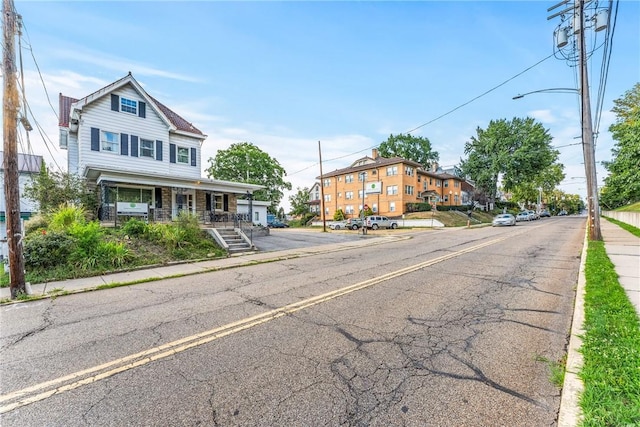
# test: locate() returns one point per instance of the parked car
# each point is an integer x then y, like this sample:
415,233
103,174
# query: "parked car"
338,225
278,224
354,223
374,222
534,215
545,214
504,219
523,216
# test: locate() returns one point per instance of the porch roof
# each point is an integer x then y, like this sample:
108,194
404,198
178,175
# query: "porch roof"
100,175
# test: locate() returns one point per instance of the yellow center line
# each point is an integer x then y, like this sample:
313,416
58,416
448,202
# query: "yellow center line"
25,396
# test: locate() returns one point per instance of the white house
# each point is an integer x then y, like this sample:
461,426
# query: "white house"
28,166
140,153
258,208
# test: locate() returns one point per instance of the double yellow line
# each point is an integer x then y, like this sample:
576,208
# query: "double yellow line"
91,375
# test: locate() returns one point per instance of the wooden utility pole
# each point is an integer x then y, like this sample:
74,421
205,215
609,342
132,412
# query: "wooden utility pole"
324,220
11,106
588,148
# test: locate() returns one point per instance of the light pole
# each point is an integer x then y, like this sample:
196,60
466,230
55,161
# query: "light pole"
550,90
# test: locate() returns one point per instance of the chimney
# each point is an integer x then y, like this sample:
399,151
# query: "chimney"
374,153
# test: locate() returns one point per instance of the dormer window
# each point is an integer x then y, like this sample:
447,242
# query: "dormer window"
128,106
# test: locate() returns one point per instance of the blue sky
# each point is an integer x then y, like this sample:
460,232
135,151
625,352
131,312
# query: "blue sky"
285,75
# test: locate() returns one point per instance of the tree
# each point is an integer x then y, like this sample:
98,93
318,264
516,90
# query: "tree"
515,151
300,202
543,185
244,162
53,189
409,147
622,186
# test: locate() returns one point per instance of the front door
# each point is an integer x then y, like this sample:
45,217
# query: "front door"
183,201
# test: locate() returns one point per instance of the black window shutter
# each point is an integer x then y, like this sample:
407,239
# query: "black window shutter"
124,144
134,146
172,153
225,203
115,102
208,202
158,150
142,109
193,157
95,139
158,192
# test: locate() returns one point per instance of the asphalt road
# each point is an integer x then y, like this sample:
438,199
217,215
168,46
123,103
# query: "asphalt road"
446,328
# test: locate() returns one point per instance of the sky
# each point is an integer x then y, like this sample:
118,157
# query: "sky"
291,76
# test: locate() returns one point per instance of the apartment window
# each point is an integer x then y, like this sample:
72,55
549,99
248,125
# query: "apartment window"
392,206
183,155
424,186
359,194
392,170
339,195
147,148
256,217
446,183
456,184
349,209
456,199
348,178
408,170
430,181
392,190
438,183
348,195
326,182
128,106
374,208
327,197
110,141
408,189
362,176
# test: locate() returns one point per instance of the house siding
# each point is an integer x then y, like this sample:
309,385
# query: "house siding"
99,115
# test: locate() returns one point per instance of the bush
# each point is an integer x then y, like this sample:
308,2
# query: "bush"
135,228
65,216
36,223
189,228
418,207
47,249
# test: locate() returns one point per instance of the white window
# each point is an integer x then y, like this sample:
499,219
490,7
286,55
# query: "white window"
392,170
147,148
348,178
392,190
375,207
456,184
408,189
128,106
110,141
392,206
349,209
359,194
256,216
362,176
327,197
183,155
408,170
348,195
327,182
446,183
438,183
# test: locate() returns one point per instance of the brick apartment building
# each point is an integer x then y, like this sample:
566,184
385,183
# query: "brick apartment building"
388,184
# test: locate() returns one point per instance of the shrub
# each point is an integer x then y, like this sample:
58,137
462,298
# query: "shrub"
36,223
188,226
135,227
113,254
47,249
65,216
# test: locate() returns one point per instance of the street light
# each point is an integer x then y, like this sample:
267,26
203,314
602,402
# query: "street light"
551,90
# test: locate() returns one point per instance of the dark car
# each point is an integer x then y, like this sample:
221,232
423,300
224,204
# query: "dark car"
278,224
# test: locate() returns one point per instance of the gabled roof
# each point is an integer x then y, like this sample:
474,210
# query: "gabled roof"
69,107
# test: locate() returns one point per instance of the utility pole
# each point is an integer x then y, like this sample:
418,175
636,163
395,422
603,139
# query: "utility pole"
11,105
324,219
562,34
587,137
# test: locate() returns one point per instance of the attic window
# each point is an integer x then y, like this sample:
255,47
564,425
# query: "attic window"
128,106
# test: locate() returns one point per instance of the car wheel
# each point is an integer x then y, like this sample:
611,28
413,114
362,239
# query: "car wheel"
394,226
354,227
374,227
337,227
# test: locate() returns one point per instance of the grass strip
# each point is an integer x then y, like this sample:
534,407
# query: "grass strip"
630,228
611,347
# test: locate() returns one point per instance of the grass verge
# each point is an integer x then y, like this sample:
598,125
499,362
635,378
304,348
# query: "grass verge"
611,347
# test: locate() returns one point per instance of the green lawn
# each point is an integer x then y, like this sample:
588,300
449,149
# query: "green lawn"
611,347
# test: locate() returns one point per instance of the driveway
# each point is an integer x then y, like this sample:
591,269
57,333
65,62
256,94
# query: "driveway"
280,239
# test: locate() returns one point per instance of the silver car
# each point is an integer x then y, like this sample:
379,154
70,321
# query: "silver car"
504,219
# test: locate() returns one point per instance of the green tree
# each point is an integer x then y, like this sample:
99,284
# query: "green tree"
409,147
516,151
53,189
338,215
300,202
542,186
244,162
622,186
